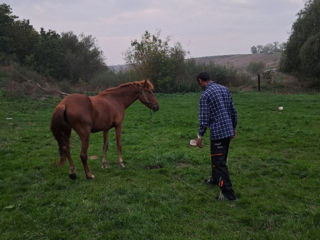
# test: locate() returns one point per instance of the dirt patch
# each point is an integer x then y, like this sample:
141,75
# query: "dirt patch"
93,157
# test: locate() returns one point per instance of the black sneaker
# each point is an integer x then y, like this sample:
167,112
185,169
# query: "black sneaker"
226,196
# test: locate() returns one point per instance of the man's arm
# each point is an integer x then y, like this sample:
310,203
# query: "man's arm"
233,112
203,119
234,117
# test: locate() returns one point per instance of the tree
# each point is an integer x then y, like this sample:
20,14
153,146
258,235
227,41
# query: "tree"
6,23
48,58
154,59
282,47
256,67
81,56
259,48
310,56
268,48
17,38
254,50
25,39
302,52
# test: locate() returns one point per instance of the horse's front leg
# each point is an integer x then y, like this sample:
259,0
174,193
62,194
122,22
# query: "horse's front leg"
118,135
105,149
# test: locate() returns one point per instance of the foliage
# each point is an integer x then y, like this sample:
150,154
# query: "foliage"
154,59
301,55
273,164
310,56
6,23
17,38
268,48
82,58
167,68
223,75
48,55
61,57
256,67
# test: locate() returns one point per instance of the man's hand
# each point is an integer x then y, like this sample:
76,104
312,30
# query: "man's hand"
199,142
234,133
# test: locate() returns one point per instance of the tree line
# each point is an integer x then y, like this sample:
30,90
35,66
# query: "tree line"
63,56
268,48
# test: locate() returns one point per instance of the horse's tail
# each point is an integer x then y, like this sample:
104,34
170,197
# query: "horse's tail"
61,130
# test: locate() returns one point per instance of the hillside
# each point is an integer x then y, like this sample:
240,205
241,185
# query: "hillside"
239,61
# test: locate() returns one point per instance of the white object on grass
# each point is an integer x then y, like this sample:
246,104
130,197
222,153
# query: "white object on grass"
193,142
280,108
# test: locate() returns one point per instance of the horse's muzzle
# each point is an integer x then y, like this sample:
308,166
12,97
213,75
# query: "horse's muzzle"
155,107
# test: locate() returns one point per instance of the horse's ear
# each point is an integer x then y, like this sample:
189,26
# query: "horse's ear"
145,85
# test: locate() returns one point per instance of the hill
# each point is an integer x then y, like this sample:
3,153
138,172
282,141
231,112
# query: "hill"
239,61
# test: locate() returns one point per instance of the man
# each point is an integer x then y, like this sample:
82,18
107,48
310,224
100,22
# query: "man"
217,112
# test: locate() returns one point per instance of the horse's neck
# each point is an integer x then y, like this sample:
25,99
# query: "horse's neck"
125,95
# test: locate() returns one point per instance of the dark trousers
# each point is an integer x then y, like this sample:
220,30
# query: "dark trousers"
220,173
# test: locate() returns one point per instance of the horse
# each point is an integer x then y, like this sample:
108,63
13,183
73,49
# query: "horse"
90,114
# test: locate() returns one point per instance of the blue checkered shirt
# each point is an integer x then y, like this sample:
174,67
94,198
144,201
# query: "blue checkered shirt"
217,112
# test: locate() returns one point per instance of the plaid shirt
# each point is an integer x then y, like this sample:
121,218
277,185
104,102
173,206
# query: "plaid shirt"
217,112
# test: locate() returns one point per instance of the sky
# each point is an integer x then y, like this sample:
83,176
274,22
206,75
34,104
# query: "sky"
203,27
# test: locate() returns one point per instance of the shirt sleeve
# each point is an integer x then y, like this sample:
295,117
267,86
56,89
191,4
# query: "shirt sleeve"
203,116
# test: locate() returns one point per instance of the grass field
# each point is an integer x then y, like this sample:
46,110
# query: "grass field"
273,163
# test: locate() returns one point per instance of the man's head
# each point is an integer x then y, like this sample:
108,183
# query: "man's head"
203,79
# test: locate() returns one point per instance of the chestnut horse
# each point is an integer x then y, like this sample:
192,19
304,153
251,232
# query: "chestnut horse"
86,114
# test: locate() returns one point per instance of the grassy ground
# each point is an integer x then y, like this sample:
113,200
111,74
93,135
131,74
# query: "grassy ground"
273,163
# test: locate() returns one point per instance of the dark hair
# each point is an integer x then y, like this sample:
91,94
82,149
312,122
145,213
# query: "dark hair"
204,76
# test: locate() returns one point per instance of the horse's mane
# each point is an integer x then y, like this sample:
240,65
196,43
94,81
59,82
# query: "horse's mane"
141,83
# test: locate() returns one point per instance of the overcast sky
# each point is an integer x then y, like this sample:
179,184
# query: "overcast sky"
203,27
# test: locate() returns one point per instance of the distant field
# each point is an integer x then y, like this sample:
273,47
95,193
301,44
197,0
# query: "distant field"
274,165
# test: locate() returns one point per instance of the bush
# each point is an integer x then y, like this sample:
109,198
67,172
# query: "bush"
301,56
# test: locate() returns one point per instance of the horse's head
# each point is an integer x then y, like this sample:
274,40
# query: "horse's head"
147,97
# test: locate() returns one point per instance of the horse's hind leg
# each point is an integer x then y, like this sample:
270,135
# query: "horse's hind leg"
118,135
63,157
64,149
85,136
72,172
105,149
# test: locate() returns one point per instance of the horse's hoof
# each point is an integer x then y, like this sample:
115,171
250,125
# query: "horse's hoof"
73,176
122,165
104,166
90,177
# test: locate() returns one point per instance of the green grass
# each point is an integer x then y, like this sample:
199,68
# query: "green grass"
273,162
